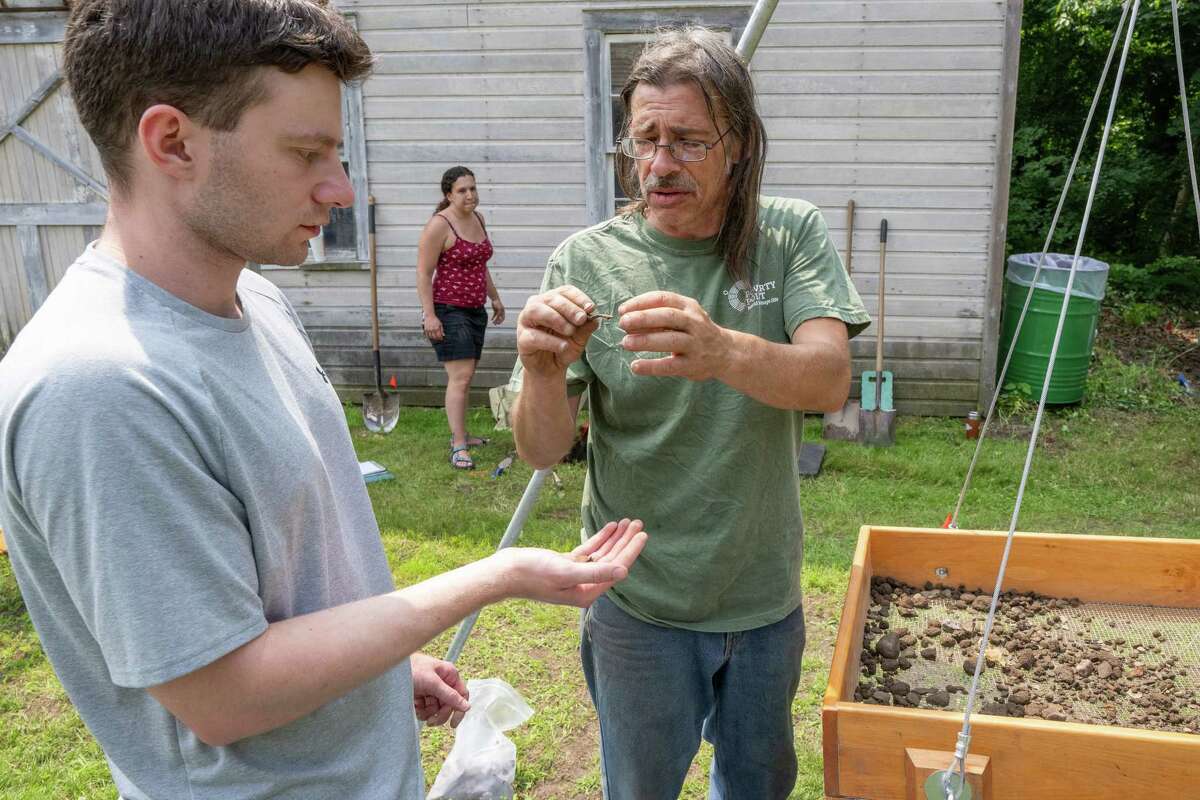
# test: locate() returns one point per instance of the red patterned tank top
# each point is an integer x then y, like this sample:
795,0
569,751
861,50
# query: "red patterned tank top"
461,275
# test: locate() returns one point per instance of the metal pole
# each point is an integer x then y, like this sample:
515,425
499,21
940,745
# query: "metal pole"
759,18
528,500
1187,121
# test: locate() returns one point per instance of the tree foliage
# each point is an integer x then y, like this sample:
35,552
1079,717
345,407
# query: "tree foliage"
1143,209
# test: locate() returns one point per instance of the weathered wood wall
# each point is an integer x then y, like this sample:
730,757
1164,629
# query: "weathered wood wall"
898,105
38,192
904,106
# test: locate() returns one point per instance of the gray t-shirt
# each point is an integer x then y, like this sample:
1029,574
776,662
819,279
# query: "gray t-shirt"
173,482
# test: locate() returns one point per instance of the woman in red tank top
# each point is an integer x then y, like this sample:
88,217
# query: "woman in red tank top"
453,283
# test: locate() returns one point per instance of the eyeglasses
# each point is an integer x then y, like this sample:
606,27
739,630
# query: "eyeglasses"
681,150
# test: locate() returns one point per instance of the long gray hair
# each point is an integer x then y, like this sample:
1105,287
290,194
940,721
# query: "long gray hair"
702,56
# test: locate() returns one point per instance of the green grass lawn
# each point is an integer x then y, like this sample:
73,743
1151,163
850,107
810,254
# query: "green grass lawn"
1100,471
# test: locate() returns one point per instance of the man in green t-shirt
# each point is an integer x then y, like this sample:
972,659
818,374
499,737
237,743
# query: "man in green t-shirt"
730,313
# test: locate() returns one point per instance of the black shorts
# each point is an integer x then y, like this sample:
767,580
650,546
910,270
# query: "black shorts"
463,330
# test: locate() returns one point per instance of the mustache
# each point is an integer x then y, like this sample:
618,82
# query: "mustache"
658,183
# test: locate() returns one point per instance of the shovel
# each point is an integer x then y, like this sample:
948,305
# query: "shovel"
877,417
381,409
842,425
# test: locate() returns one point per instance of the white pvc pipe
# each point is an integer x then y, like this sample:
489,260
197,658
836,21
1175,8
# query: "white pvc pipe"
759,18
528,500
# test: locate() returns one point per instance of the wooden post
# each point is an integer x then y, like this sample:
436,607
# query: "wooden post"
920,764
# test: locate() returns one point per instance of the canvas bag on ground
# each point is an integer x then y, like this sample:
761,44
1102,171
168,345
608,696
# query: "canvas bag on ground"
502,399
483,761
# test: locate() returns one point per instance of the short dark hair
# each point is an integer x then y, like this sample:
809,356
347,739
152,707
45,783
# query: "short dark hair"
449,177
122,56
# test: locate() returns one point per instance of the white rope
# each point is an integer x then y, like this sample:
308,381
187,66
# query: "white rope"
965,735
1187,122
1062,199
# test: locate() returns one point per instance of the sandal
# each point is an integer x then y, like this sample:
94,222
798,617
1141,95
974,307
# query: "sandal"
473,441
460,458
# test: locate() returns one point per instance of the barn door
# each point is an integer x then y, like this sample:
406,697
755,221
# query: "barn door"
52,191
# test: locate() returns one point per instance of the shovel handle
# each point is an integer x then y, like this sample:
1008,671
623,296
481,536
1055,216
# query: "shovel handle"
849,235
883,230
375,288
374,273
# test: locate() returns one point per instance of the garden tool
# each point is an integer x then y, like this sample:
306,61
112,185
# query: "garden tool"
842,425
877,415
381,409
503,466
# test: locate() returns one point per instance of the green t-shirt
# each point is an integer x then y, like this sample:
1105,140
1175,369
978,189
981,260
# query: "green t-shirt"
710,471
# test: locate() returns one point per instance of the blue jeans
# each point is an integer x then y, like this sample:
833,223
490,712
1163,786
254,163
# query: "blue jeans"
657,690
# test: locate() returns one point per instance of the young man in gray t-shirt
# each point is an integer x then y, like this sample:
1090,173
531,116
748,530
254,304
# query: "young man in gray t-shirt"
181,498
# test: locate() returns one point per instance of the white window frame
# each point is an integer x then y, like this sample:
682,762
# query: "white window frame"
354,153
608,90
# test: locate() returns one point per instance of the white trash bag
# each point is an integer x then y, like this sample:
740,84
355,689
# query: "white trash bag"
483,762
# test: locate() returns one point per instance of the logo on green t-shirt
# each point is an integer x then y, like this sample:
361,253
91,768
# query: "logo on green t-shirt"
743,297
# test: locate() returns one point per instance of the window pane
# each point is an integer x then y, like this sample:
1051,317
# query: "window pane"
619,198
622,54
339,234
618,117
621,58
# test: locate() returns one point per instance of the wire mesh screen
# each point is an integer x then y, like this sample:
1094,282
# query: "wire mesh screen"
1127,665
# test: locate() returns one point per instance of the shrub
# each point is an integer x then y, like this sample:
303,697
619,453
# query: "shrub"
1139,314
1175,280
1170,281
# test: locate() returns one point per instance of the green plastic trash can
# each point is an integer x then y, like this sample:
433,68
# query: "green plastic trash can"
1032,355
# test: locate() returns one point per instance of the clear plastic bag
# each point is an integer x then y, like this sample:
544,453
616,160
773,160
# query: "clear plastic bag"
1090,275
483,761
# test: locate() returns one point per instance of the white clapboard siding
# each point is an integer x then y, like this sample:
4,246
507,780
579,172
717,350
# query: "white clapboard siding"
526,173
486,129
450,63
497,219
890,11
947,151
923,175
505,107
885,197
473,151
900,59
485,40
880,129
818,35
898,105
481,85
948,82
494,194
